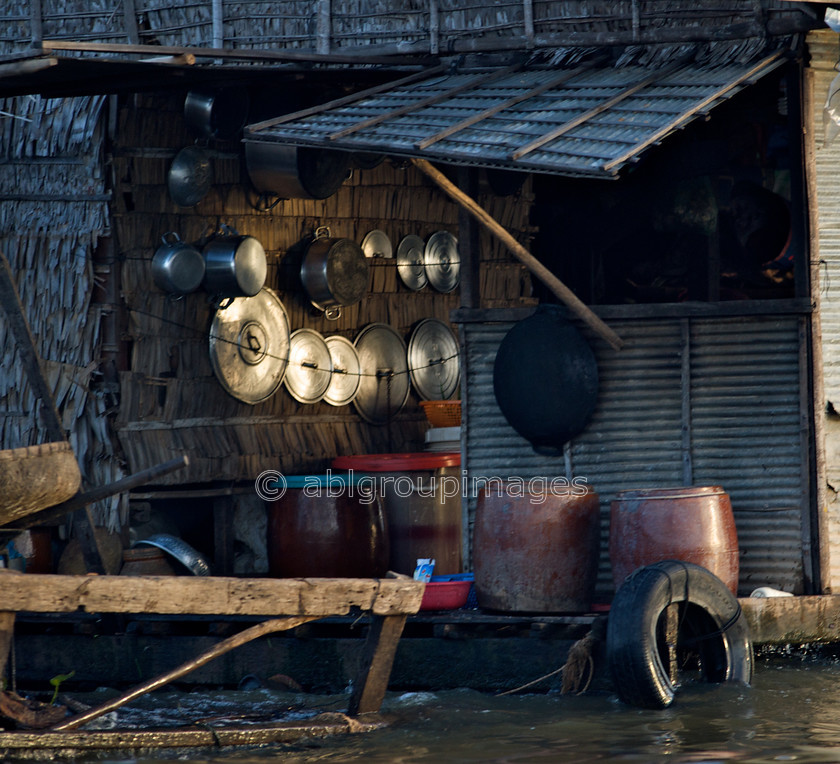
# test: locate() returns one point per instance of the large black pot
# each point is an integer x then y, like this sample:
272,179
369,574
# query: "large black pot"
546,379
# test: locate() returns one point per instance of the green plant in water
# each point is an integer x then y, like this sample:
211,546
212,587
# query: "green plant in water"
56,682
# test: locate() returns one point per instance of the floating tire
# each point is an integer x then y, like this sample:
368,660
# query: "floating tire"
712,636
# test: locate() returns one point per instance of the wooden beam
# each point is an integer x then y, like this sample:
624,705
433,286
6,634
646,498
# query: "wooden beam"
596,110
375,671
508,103
345,100
225,646
557,287
181,595
424,102
223,53
698,107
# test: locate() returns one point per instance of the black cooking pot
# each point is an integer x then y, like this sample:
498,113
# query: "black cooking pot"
546,379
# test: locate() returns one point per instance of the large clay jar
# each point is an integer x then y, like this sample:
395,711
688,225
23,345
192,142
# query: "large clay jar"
323,526
692,523
536,551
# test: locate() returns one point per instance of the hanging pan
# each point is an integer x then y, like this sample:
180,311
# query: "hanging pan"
310,366
433,360
190,176
383,382
177,267
344,380
249,346
442,261
292,172
235,265
217,113
410,263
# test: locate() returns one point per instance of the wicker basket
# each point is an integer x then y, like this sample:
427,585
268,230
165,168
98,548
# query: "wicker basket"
442,413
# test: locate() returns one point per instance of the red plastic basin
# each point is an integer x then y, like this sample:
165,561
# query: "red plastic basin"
445,595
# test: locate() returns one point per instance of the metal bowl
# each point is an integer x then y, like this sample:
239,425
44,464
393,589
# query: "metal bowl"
180,550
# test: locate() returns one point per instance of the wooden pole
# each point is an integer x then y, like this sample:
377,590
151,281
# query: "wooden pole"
266,627
557,287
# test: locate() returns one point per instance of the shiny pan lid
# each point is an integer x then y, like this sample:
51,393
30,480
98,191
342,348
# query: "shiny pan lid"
442,261
410,262
434,360
310,366
383,382
344,380
249,346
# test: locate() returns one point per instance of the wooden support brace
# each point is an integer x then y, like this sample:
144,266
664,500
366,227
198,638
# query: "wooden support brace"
558,288
378,659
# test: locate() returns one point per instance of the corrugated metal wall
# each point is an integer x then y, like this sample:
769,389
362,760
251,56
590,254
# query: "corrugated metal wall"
824,47
685,401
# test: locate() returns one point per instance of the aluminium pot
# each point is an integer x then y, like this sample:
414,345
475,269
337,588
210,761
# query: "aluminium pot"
292,172
177,267
334,272
218,113
235,266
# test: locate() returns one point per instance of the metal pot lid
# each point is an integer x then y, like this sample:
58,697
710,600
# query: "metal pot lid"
250,265
411,262
383,382
310,366
377,244
190,176
249,346
433,360
442,261
344,380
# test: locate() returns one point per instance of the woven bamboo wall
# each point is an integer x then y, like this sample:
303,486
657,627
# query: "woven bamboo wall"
412,25
162,415
53,209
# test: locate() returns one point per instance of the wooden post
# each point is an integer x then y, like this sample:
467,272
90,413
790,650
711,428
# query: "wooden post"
557,287
10,300
377,661
468,244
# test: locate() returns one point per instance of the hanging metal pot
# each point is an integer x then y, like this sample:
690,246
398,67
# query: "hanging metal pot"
177,267
292,172
334,272
235,266
216,112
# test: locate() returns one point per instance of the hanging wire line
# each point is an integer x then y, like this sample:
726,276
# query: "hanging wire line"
379,374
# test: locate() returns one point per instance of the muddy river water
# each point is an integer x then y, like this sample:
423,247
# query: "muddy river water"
791,713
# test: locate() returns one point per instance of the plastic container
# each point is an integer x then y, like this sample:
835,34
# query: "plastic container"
447,592
421,495
693,523
325,526
536,552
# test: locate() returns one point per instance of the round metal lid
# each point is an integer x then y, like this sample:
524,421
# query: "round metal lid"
249,346
344,380
377,244
433,360
442,261
411,263
383,384
310,366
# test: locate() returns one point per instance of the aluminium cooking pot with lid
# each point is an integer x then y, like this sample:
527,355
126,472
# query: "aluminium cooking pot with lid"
177,267
334,272
235,266
216,112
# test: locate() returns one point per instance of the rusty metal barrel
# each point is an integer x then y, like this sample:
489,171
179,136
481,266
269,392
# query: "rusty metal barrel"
691,523
536,551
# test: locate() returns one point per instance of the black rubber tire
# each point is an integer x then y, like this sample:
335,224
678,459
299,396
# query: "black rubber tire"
712,631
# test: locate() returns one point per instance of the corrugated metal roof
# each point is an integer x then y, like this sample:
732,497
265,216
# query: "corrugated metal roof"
583,121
